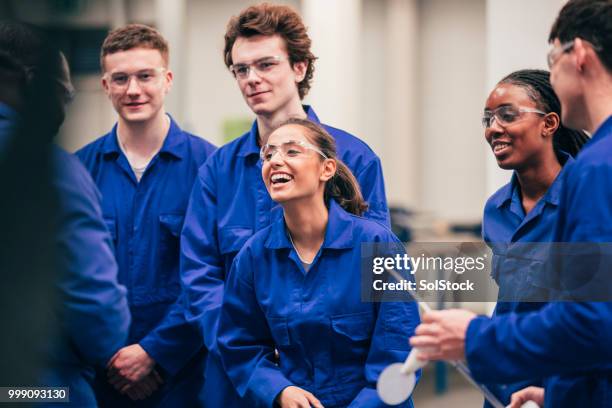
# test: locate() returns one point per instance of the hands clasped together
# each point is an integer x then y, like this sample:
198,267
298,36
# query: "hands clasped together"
131,371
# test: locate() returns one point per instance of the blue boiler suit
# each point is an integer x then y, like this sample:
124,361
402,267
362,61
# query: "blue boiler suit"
145,219
229,203
330,342
518,266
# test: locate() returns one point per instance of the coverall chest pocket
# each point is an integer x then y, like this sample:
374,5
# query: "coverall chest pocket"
520,279
231,239
293,363
350,342
170,231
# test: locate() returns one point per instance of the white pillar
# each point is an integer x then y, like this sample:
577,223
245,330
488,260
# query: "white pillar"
334,27
517,38
400,140
118,14
452,70
170,18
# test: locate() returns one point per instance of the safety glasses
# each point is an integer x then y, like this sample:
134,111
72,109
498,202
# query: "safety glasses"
506,115
292,149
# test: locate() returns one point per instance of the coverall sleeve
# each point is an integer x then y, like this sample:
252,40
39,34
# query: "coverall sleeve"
174,341
245,340
202,269
372,185
178,337
95,311
552,341
585,204
395,323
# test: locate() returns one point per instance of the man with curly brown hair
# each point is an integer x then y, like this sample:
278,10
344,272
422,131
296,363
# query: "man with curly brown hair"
267,50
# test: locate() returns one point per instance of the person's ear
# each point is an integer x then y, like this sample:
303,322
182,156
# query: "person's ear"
168,80
329,169
106,85
299,69
580,53
551,124
104,81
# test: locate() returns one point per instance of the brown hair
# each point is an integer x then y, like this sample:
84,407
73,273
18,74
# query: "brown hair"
134,36
272,19
343,186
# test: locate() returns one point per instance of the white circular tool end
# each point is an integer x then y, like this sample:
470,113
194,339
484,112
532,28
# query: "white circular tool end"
395,387
530,404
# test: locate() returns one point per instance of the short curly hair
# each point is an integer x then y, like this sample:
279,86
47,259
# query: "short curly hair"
272,19
134,36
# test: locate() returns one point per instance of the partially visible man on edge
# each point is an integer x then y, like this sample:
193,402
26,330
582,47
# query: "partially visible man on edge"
566,343
88,318
145,168
267,50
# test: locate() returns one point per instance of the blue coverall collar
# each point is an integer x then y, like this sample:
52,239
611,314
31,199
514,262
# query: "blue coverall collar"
604,129
338,234
510,191
251,147
174,144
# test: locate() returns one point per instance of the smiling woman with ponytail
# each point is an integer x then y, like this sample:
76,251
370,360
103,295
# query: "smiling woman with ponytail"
295,287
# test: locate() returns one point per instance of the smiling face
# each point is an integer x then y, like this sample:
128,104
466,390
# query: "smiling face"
523,142
274,90
296,174
141,97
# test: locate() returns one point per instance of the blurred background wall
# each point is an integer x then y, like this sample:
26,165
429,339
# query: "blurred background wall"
409,77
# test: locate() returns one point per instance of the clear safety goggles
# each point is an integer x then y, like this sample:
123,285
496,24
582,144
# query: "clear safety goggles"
261,67
292,149
506,115
121,80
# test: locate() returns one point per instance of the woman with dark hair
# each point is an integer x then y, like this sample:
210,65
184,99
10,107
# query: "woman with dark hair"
523,127
295,286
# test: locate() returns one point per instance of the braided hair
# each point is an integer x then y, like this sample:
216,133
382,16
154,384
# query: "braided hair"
536,83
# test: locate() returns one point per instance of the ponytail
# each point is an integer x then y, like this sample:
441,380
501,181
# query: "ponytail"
343,188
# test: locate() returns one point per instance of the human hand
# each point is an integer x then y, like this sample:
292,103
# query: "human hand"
143,388
295,397
441,335
535,394
129,365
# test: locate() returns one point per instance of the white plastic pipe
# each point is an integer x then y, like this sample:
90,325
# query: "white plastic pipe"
412,363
